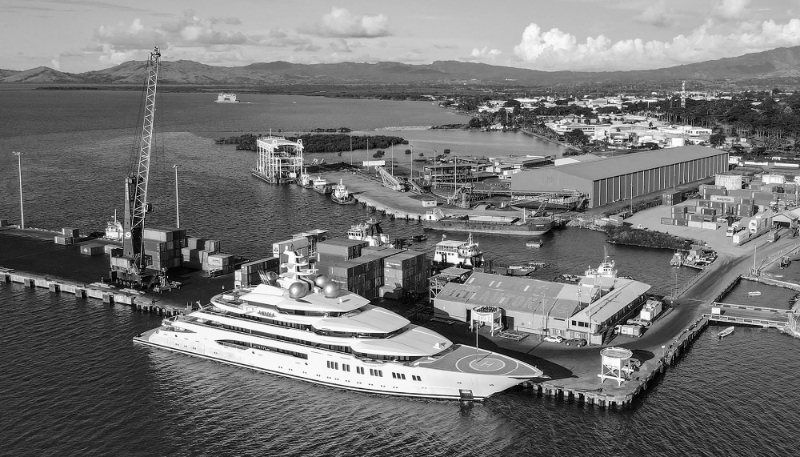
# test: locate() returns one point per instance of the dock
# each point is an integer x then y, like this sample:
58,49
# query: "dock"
749,315
108,293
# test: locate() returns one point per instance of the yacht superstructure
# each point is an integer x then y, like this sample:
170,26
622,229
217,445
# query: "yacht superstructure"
302,325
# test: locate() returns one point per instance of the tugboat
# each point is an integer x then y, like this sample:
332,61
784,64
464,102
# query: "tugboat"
606,269
319,184
305,180
462,254
341,195
114,229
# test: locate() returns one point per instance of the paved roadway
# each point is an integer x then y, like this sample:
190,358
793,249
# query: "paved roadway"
578,368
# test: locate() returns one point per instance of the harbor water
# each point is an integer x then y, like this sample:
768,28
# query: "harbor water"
73,383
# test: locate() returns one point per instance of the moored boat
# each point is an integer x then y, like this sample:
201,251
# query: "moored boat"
341,195
726,332
463,254
321,185
754,293
302,325
369,231
534,243
524,269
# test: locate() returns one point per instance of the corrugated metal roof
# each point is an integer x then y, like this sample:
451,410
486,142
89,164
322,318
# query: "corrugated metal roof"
557,300
625,291
631,163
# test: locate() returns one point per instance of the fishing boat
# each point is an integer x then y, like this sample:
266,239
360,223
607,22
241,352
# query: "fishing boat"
321,185
341,195
754,294
726,332
419,237
534,243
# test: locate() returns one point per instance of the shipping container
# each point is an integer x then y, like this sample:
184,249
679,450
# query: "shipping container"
70,232
667,221
294,244
92,249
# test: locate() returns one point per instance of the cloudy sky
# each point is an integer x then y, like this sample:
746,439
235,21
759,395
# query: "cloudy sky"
82,35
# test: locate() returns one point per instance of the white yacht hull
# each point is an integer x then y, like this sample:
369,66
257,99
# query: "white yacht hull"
432,383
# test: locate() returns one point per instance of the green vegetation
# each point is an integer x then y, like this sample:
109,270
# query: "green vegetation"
630,236
320,142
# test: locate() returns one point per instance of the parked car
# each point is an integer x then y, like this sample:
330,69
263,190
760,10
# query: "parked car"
580,342
554,339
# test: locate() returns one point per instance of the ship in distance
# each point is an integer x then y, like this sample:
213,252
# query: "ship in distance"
302,325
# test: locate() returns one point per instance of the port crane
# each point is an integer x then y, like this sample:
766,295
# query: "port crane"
130,268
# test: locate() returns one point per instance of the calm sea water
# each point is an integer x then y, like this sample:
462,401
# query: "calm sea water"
72,382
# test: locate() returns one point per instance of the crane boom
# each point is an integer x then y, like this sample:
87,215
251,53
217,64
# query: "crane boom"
136,205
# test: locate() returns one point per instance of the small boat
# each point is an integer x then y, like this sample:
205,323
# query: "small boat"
319,184
225,97
419,237
754,294
341,195
534,243
524,270
725,332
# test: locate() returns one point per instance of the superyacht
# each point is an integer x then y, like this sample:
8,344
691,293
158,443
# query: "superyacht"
302,325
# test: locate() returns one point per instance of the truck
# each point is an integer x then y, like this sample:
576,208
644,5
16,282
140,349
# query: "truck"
733,229
630,330
773,236
651,309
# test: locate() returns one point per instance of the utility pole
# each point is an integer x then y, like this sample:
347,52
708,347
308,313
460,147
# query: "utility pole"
21,211
177,201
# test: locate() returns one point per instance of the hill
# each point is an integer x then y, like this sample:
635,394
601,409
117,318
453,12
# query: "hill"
776,63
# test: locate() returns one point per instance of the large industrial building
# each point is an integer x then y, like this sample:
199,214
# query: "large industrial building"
587,310
617,178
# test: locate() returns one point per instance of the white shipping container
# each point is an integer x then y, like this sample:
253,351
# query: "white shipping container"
292,244
710,225
695,224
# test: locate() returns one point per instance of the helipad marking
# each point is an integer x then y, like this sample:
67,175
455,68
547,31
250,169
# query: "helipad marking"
485,363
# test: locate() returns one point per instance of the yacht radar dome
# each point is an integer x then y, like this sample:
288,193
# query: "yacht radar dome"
298,290
331,289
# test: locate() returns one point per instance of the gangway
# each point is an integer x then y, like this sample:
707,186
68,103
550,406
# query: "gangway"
390,181
414,187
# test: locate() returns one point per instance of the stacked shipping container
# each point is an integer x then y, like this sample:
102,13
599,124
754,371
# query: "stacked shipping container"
196,252
162,247
249,273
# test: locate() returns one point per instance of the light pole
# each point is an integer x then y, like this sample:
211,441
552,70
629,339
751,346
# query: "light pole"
21,212
177,201
412,161
392,158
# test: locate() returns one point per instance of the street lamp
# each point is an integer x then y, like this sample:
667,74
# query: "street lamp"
21,211
411,161
177,201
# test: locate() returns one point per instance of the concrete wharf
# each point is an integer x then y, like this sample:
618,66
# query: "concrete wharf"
106,292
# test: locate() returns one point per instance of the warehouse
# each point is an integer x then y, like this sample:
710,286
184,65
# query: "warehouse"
586,310
614,179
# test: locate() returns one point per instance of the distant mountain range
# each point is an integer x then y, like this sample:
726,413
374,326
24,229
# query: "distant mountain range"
776,63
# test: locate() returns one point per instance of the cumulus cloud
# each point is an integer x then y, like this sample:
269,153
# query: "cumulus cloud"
657,14
485,53
341,23
187,31
558,50
730,9
339,45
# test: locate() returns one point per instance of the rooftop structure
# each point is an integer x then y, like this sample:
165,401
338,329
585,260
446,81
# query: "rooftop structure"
621,177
